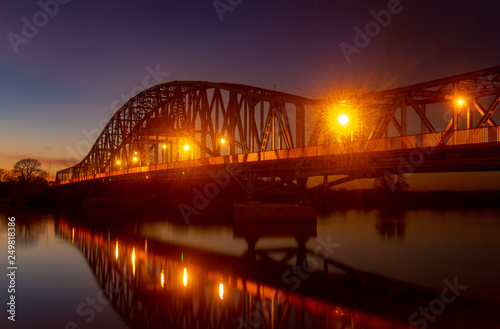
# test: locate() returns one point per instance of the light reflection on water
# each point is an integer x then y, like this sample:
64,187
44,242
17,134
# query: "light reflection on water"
424,247
160,274
52,280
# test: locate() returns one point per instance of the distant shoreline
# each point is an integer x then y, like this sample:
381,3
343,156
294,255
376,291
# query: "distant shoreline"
373,199
325,200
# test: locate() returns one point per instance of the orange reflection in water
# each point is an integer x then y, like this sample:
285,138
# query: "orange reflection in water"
269,296
133,261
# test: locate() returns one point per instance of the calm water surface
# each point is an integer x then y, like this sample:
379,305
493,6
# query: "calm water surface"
353,269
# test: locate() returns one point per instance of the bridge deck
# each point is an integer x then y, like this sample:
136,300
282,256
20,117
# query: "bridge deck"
364,151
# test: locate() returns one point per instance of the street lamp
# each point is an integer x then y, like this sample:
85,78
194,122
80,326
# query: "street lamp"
344,121
221,142
186,147
342,117
461,103
164,146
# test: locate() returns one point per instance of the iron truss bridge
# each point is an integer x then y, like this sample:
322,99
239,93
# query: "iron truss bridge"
193,127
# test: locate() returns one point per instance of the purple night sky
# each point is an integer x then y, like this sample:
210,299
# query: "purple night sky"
59,82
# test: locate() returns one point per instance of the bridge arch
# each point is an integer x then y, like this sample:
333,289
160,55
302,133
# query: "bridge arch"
183,120
196,120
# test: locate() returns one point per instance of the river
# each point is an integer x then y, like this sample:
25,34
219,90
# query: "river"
351,269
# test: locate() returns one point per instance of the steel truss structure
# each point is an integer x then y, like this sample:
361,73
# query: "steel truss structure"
478,92
187,120
180,121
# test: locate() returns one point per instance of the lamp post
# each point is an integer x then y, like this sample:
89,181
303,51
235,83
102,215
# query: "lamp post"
460,102
344,122
221,141
187,149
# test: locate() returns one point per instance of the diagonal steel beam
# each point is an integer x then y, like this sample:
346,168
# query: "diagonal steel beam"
421,114
486,114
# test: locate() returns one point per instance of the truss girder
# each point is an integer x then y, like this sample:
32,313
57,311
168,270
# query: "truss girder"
201,113
472,87
252,119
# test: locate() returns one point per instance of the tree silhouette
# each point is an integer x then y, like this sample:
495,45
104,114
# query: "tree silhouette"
391,183
27,170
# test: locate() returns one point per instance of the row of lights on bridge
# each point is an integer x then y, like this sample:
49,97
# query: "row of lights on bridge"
186,148
342,119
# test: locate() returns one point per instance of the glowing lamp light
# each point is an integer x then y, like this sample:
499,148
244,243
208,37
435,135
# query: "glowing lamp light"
135,153
185,277
164,146
133,261
118,162
222,141
116,250
460,102
343,119
162,278
221,291
186,147
135,159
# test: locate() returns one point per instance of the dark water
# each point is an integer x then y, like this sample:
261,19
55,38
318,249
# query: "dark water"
354,269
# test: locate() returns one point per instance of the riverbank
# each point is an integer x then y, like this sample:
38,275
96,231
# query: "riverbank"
372,199
168,199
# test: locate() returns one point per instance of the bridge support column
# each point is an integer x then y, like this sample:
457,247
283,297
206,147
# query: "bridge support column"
403,117
300,125
302,184
470,123
455,123
423,129
456,109
325,182
155,152
251,179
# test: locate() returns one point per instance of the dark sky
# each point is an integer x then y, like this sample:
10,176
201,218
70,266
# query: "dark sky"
88,57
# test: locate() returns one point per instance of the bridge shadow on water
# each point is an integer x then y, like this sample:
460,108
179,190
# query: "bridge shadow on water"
159,273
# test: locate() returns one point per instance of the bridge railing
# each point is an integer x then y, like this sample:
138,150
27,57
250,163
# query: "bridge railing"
431,140
459,137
